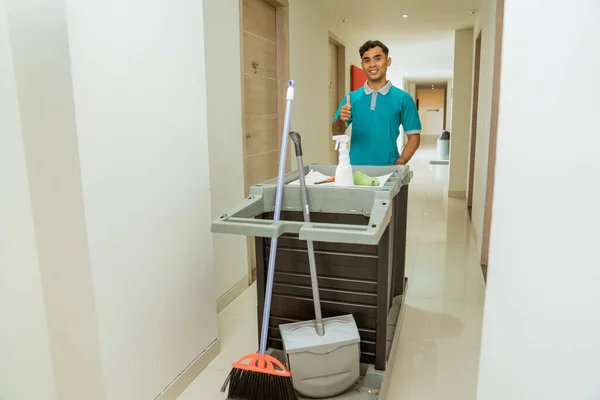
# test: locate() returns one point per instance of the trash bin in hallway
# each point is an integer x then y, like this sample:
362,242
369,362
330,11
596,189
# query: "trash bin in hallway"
443,146
359,236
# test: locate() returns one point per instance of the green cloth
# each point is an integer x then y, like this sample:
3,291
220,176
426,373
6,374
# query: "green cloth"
361,179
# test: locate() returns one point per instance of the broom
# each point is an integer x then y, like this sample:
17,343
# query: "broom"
260,376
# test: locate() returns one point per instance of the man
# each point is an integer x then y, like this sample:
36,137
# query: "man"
376,112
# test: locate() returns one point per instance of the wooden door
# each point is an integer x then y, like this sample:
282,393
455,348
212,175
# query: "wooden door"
474,114
334,96
265,73
260,91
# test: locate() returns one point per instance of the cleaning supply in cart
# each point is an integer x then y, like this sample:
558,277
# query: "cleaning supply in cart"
328,180
343,172
359,178
362,179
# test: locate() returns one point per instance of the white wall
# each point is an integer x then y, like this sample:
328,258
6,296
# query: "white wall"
139,83
486,21
461,113
309,63
394,73
541,323
225,136
24,342
41,62
114,126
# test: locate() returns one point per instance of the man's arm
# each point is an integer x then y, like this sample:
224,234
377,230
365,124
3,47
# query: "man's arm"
409,150
342,118
412,126
338,127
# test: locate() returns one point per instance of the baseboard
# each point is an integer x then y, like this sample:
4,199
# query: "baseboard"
174,390
484,270
232,294
457,194
385,386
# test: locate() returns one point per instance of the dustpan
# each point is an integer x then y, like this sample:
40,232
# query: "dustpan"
323,354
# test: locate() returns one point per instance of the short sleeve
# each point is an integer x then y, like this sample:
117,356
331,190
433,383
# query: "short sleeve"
410,120
337,113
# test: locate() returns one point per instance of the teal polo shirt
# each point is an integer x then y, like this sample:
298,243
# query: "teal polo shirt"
376,117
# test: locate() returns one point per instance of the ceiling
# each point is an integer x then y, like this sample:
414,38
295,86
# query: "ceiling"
421,46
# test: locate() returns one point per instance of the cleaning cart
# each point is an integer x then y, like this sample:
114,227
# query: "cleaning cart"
359,236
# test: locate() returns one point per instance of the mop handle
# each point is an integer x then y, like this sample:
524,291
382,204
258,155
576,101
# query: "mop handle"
278,200
311,251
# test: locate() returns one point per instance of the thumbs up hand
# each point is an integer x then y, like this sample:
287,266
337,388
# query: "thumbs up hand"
346,110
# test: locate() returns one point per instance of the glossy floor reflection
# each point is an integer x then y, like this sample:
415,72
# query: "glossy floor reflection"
438,354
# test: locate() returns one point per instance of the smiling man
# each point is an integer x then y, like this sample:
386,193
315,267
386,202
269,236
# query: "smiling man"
376,112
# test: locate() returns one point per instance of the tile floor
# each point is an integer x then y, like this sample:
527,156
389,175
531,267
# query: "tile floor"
438,353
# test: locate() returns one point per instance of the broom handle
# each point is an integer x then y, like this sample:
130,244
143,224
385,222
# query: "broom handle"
311,250
276,217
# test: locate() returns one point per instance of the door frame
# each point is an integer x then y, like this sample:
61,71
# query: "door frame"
491,169
341,82
282,16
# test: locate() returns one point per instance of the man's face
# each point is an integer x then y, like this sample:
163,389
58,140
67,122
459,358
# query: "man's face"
375,63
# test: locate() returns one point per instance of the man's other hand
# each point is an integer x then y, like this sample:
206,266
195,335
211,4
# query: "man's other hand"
413,143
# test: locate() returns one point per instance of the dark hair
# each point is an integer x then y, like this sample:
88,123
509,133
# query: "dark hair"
371,44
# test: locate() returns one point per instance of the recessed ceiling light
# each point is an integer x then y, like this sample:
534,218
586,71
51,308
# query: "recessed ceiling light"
404,15
345,20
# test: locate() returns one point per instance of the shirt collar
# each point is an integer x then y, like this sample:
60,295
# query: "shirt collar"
384,90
